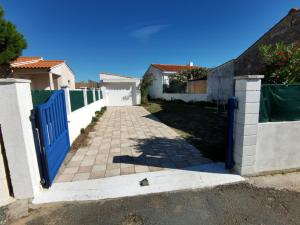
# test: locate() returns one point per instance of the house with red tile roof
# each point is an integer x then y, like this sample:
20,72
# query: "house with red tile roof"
161,73
44,74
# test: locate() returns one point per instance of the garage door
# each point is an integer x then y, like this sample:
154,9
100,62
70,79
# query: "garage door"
119,94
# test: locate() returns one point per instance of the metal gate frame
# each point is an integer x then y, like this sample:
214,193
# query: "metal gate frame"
52,128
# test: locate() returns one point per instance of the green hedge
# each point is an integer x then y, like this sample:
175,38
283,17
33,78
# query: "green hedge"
77,100
279,103
90,97
40,96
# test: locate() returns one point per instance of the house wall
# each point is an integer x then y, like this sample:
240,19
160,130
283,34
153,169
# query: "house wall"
277,146
67,77
156,88
220,84
39,80
82,117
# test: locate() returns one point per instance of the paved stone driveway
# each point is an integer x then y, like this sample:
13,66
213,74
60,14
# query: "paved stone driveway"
129,140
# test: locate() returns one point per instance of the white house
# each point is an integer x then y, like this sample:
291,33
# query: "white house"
161,73
44,74
120,90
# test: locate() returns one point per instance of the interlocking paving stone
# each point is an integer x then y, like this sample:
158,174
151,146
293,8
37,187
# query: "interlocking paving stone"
129,140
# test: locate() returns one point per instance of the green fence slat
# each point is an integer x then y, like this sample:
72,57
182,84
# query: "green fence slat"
40,96
90,96
97,95
77,100
279,103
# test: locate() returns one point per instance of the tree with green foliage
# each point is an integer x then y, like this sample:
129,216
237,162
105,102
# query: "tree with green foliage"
195,73
145,84
282,63
12,44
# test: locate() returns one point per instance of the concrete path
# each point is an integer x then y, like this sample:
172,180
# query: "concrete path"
129,140
202,176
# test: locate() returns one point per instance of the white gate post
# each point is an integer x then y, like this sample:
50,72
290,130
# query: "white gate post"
85,96
247,91
103,90
16,106
66,89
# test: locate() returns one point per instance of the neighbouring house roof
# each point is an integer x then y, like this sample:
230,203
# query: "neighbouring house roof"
173,68
286,30
25,62
117,75
23,59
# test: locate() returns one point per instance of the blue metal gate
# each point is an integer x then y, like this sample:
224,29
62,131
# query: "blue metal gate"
52,125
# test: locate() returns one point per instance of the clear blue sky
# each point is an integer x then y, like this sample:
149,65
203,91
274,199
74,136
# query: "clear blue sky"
126,36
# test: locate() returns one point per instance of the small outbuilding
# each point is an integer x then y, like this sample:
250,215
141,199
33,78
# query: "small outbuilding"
120,90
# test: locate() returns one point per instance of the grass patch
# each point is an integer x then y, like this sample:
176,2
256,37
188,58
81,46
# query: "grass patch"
201,124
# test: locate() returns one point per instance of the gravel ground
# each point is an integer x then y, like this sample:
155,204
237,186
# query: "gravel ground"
228,205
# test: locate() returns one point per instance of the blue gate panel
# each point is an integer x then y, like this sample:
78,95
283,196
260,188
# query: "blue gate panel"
54,134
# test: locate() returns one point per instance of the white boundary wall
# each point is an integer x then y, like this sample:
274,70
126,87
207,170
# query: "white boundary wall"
278,146
184,97
261,147
82,117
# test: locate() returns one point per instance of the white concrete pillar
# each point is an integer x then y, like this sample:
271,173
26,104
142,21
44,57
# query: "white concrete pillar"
85,100
66,89
4,191
105,100
94,94
51,83
247,91
16,106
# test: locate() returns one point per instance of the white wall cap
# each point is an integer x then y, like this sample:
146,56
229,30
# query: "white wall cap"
247,77
14,80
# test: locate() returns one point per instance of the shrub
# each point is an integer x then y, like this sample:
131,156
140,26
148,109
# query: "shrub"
145,84
282,63
82,130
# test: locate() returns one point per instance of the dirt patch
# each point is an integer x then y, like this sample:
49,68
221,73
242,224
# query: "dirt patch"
132,219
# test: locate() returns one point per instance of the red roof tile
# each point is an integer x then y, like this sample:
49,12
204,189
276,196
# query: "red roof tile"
25,62
173,68
22,59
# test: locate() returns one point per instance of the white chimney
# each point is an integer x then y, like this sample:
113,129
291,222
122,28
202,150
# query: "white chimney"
191,63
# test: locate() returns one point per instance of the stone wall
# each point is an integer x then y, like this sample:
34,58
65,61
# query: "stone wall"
287,30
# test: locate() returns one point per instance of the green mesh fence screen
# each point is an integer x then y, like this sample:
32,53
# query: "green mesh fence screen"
76,98
40,96
90,97
101,95
279,103
97,95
